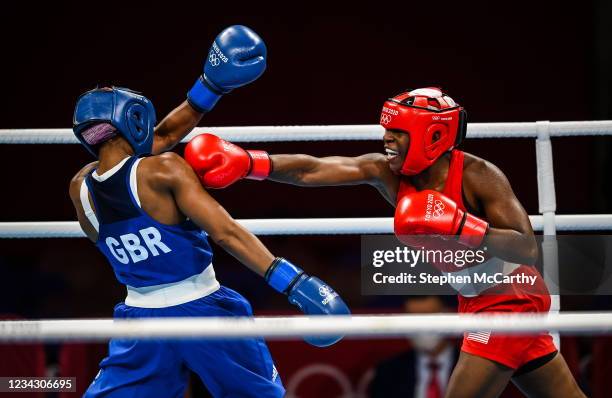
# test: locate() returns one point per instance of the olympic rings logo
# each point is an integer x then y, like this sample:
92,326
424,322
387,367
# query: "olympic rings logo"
214,59
385,118
438,209
324,291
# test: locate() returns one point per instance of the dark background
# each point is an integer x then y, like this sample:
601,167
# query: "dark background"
504,61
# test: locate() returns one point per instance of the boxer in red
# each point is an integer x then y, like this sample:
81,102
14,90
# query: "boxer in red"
421,166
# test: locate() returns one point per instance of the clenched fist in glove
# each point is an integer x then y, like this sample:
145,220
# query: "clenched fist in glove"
237,57
309,293
220,163
433,213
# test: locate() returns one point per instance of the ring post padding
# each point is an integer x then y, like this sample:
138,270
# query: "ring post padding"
547,201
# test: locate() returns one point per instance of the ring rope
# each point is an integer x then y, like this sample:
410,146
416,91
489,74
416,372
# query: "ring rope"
292,327
297,326
327,133
300,226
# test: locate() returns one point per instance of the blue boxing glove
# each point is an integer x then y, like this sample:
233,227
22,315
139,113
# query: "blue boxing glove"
308,293
237,57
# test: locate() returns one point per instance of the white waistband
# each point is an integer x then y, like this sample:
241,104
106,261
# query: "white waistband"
169,294
492,266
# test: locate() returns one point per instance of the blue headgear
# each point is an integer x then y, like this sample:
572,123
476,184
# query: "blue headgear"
129,112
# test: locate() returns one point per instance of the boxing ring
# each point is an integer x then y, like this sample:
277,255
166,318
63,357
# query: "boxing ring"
371,326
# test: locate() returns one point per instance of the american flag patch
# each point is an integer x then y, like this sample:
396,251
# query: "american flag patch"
481,337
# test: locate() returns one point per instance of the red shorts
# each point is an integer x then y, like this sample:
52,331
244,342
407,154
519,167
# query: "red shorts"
509,350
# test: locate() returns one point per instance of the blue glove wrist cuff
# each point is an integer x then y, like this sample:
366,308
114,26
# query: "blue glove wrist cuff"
282,274
202,97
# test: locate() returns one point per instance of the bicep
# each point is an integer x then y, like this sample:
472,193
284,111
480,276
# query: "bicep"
160,144
500,205
176,125
507,213
338,170
75,195
196,204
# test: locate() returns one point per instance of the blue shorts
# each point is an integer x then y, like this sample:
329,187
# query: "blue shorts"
160,368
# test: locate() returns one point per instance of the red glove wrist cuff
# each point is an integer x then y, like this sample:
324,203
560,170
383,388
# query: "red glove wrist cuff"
473,231
260,165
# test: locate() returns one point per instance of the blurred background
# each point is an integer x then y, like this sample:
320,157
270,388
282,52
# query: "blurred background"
504,62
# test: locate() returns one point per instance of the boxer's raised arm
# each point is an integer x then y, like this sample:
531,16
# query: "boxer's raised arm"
305,170
175,126
236,58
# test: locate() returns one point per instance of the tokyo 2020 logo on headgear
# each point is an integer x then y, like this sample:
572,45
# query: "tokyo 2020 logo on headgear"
129,112
433,120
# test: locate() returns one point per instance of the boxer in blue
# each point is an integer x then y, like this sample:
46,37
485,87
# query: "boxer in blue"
149,215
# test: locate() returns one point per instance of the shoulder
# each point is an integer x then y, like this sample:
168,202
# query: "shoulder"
77,180
484,179
166,161
78,177
477,169
165,169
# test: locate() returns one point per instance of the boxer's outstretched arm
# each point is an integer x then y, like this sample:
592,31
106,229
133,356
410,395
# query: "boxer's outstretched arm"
194,202
305,170
175,126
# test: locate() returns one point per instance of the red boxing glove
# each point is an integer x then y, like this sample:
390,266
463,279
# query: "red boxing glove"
220,163
430,212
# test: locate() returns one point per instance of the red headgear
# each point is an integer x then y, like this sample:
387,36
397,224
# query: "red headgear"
433,120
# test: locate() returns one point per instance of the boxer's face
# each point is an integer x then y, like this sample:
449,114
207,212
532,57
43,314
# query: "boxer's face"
396,147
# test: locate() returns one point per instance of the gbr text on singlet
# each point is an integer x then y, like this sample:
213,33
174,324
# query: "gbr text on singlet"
133,245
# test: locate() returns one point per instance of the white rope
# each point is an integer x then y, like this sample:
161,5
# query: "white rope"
326,133
300,226
297,326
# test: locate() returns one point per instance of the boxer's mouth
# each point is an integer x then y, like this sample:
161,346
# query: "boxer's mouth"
391,154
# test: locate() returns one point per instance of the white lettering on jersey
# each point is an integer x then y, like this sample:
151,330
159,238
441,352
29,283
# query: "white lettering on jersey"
118,253
131,244
152,239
